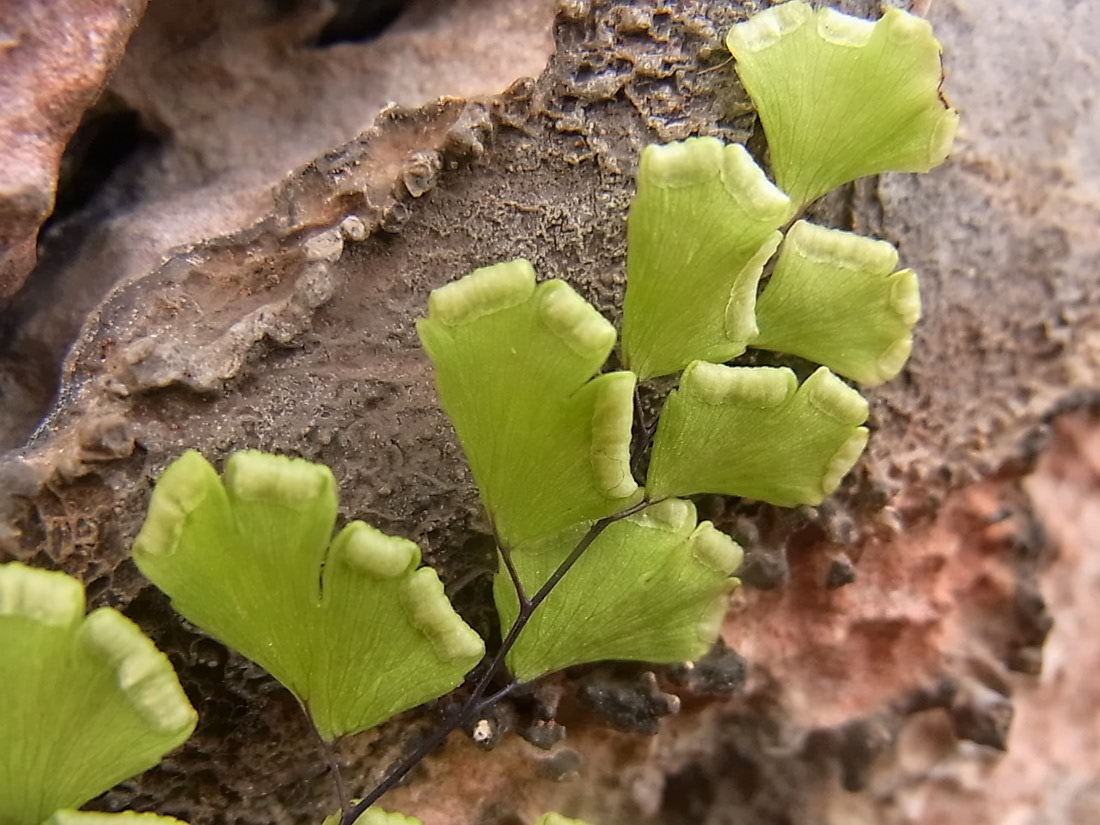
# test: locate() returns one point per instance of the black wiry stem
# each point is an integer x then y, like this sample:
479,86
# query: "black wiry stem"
333,766
510,565
475,700
493,698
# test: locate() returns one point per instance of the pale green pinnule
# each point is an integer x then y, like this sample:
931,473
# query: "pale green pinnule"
763,388
483,292
711,618
41,596
905,297
834,399
121,818
844,459
85,702
143,673
652,588
841,97
348,624
575,321
185,484
612,419
673,515
296,485
558,819
702,226
255,550
835,298
712,547
375,816
548,444
370,550
716,550
745,431
431,613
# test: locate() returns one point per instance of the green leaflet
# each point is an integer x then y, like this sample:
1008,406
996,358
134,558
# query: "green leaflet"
700,230
548,444
753,432
375,816
349,624
85,701
834,298
841,97
653,587
123,818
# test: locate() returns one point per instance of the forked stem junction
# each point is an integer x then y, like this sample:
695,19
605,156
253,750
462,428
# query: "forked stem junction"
475,702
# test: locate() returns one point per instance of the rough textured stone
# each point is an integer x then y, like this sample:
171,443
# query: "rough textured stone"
214,103
293,332
1051,773
54,61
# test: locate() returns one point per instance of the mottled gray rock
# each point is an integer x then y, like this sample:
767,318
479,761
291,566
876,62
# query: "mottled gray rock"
293,331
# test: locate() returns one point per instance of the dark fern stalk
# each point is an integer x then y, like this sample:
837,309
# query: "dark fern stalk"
474,702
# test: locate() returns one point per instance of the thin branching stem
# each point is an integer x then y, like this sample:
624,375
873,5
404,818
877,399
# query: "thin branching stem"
474,702
329,754
493,698
510,565
594,532
716,67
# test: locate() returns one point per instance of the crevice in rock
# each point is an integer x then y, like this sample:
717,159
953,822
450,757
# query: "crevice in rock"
358,21
688,797
109,135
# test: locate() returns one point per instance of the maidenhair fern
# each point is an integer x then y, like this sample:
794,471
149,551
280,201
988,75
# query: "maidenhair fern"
840,97
654,588
703,224
352,625
376,816
593,565
123,818
754,432
549,445
85,701
836,298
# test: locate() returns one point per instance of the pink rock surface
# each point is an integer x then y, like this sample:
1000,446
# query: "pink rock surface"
54,60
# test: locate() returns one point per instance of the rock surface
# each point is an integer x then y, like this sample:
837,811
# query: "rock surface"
213,105
284,321
54,61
